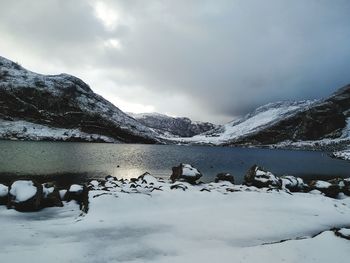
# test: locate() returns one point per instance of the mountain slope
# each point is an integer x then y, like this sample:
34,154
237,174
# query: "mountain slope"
61,103
178,126
305,124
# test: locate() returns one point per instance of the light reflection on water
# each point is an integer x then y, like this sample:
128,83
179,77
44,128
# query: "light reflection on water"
90,160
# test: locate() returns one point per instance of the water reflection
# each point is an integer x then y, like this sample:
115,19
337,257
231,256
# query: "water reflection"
87,160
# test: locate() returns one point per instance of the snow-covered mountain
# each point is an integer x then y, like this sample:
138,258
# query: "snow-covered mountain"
319,124
60,107
178,126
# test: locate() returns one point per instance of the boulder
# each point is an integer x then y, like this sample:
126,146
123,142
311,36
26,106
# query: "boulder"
185,172
3,194
51,196
258,177
293,184
331,188
224,177
147,178
79,193
25,195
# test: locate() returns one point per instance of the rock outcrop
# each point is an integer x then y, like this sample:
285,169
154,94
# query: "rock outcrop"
259,177
185,172
25,195
224,177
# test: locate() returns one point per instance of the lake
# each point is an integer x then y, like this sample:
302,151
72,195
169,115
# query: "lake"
68,162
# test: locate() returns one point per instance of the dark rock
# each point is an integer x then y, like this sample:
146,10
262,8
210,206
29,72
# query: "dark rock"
185,172
329,188
179,186
3,194
293,184
343,233
111,178
51,196
258,177
79,193
25,196
224,177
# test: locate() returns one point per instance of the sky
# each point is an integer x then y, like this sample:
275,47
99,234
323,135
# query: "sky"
207,60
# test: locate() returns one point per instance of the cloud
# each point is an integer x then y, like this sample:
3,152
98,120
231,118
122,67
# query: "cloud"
210,60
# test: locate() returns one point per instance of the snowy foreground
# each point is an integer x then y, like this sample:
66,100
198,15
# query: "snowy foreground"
160,221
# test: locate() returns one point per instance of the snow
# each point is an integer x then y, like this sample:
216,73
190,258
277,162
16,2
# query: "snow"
75,188
47,190
322,184
3,190
126,224
262,117
18,77
188,170
345,155
22,190
31,131
345,231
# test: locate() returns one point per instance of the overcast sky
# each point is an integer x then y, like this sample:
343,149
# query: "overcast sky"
209,60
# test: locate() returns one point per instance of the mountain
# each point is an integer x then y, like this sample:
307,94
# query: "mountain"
320,124
61,107
178,126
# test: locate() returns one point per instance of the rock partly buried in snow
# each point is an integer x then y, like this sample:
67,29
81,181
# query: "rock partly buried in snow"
147,178
293,184
258,177
3,194
51,196
79,193
25,195
185,172
332,188
343,233
224,177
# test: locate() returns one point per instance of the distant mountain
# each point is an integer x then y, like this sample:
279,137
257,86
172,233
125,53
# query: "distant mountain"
60,107
320,124
178,126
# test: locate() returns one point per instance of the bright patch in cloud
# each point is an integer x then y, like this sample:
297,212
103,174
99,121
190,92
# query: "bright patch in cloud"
108,16
113,43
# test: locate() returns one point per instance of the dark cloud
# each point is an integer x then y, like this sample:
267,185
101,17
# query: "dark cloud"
205,59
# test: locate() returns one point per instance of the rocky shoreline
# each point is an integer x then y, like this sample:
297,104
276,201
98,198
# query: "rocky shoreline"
27,195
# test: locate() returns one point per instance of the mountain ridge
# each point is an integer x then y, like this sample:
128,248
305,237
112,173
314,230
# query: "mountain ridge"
63,102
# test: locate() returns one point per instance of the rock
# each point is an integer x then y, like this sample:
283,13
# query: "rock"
111,178
79,193
51,196
3,194
25,195
293,184
332,188
224,177
258,177
185,172
343,233
179,186
147,178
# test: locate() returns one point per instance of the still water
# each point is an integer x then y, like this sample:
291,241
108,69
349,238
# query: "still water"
76,162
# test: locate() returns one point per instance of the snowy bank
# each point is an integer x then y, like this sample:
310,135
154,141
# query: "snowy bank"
150,220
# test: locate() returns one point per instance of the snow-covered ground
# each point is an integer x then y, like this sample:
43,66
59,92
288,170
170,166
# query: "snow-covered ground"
31,131
242,225
262,117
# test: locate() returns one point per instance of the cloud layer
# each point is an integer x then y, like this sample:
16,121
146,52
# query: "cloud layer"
210,60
